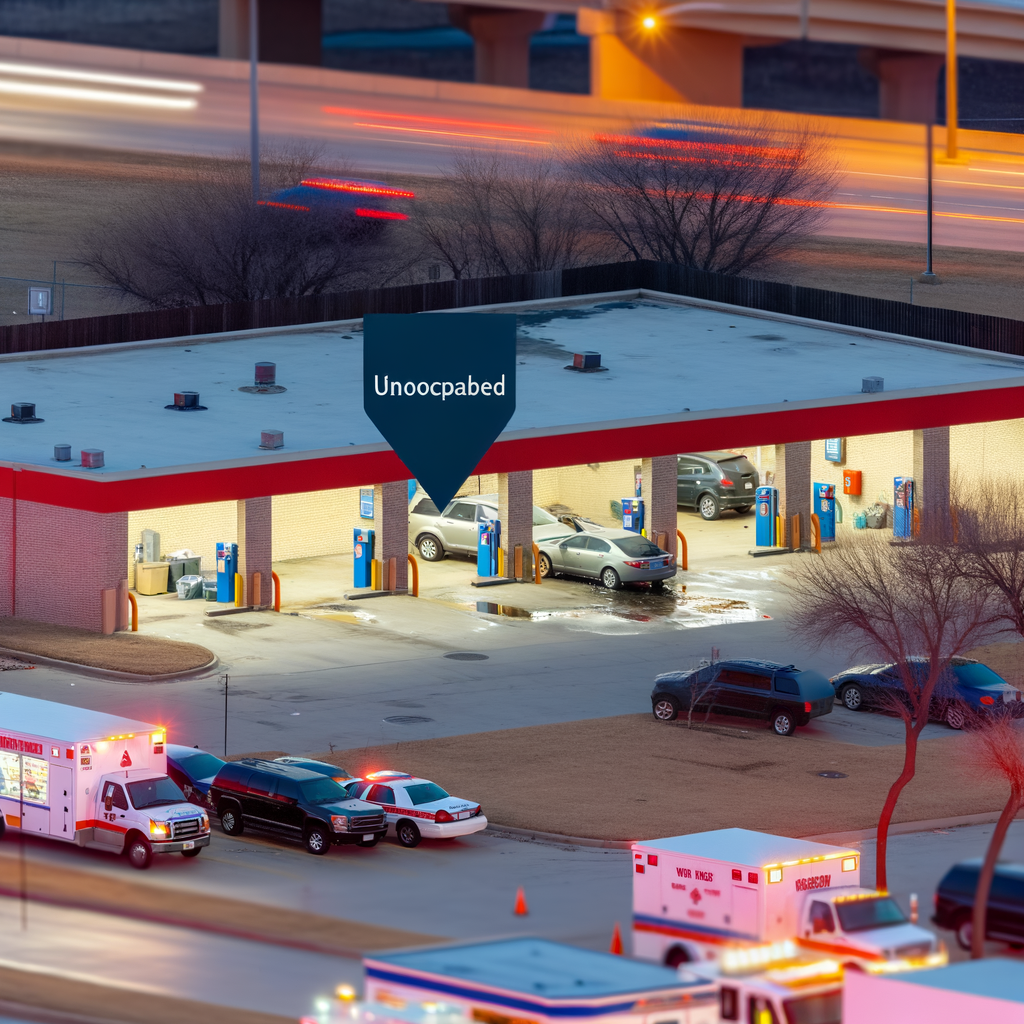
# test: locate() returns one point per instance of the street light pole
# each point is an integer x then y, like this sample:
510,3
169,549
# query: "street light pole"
952,115
254,97
929,274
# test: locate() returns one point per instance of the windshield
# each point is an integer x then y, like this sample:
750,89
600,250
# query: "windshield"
323,791
154,793
823,1008
858,915
637,547
425,793
201,766
542,518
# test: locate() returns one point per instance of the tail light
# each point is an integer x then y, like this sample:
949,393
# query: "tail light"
988,700
726,483
635,565
476,812
443,817
807,705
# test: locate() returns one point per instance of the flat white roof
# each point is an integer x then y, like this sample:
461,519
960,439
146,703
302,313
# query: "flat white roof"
63,722
743,846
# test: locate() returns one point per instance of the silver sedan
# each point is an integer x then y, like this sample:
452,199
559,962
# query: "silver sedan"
614,557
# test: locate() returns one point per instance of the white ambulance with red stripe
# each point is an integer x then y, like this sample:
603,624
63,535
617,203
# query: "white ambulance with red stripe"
696,897
92,779
418,808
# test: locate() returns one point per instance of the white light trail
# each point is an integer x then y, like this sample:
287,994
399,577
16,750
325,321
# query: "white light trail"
66,92
98,78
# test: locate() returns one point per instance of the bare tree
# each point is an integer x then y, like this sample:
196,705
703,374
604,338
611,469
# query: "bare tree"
202,240
909,604
718,199
501,214
995,750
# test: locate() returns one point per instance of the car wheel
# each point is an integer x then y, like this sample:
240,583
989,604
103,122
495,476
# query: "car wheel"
955,717
666,709
194,852
230,819
676,956
964,932
708,507
430,549
742,510
408,834
783,724
317,840
657,586
140,853
610,578
545,567
853,698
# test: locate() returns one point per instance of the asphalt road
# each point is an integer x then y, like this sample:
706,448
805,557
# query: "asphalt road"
396,125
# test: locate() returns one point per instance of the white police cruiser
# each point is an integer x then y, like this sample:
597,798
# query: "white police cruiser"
417,807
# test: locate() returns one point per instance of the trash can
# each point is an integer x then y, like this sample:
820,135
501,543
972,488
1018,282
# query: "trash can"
183,567
209,590
189,587
151,578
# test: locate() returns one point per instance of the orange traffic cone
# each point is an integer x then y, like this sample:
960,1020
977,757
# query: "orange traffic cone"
521,907
616,946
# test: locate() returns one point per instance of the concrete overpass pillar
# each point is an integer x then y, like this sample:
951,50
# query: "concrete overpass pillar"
255,534
501,42
793,480
907,83
667,65
660,476
932,481
391,526
290,31
515,511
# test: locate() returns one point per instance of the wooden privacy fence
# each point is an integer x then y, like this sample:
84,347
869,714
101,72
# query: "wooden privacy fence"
974,330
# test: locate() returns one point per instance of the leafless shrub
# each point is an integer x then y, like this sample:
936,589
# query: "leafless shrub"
203,240
725,200
904,603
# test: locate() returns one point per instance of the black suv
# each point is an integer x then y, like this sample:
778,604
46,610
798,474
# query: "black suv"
954,902
294,802
712,481
781,694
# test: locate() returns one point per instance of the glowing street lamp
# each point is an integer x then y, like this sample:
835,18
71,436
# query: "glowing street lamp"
649,22
951,83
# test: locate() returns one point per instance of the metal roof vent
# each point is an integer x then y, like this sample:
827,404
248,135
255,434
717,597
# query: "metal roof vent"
62,452
872,385
92,458
23,412
186,401
266,381
271,438
586,362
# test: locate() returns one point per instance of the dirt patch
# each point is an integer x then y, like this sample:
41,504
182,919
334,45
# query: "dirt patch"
119,652
631,777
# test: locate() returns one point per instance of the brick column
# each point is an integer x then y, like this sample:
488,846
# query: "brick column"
659,493
63,560
255,531
932,480
501,42
391,526
793,480
515,510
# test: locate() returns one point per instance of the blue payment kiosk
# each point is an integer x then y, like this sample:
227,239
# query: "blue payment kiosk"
825,509
633,514
487,544
903,506
227,566
362,557
766,503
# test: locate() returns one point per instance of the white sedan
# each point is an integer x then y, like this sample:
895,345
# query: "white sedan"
417,807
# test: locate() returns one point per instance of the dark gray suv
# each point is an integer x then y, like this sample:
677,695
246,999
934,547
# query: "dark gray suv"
713,481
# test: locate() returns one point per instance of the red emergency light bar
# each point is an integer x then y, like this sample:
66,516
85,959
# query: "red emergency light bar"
362,211
692,151
363,187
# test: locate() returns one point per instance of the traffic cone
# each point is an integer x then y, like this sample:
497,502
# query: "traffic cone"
616,946
521,907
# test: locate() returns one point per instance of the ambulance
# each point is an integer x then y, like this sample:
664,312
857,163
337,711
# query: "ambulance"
92,779
696,897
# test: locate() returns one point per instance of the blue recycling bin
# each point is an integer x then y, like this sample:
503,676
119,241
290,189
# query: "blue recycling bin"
487,544
362,557
633,514
903,506
825,510
227,566
766,501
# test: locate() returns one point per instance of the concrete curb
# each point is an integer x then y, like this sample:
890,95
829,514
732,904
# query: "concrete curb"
502,831
108,673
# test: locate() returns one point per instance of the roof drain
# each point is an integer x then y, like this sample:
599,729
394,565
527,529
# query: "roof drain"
186,401
266,381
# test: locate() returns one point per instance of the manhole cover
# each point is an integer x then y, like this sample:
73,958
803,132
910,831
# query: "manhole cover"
407,719
833,775
466,656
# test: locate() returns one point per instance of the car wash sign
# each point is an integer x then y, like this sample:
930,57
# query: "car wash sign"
440,387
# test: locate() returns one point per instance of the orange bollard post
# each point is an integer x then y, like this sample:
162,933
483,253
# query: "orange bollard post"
815,532
616,946
277,591
794,531
684,562
414,588
135,612
521,908
536,565
256,585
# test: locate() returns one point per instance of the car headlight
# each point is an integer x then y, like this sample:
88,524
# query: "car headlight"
206,822
160,829
339,822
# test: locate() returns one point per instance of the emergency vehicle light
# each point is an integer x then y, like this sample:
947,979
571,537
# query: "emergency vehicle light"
158,737
757,957
346,992
775,874
849,863
816,971
853,897
937,959
808,860
365,187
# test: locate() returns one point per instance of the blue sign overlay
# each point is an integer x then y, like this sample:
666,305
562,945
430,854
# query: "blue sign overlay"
440,387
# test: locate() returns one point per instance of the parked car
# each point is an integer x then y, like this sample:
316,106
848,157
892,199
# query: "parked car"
293,802
614,557
332,771
418,807
954,902
193,770
436,534
784,695
711,482
971,688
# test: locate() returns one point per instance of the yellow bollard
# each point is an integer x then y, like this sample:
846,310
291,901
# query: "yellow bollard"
135,611
375,573
239,589
501,561
684,561
414,588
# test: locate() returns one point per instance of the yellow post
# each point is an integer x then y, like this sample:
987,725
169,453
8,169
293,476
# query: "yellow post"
684,563
501,561
239,589
414,589
952,113
375,574
135,611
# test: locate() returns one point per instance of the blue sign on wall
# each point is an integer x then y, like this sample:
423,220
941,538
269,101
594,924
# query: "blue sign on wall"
834,449
440,387
365,502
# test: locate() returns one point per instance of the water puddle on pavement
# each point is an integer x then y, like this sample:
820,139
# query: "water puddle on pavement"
339,613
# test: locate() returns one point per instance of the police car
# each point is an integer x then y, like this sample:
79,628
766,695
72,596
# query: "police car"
417,807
